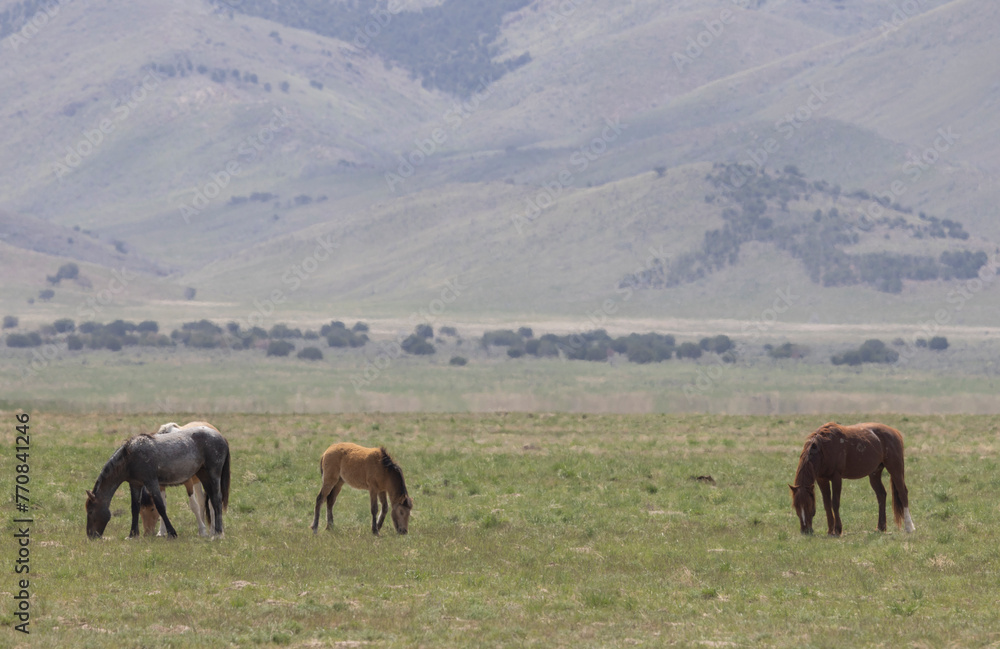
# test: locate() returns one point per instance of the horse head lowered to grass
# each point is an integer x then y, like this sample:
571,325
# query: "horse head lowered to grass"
169,458
364,468
832,453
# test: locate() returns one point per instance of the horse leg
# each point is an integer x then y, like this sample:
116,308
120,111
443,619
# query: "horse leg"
134,492
385,508
161,507
213,496
836,482
163,530
198,504
876,481
824,490
374,499
330,500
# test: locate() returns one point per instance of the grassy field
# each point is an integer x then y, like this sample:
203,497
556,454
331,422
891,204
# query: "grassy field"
547,530
961,379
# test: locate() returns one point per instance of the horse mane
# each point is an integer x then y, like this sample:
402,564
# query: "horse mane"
805,475
395,472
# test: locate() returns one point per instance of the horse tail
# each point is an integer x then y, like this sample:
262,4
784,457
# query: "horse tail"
225,483
897,505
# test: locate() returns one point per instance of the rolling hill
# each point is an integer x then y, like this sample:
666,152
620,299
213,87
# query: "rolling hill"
243,153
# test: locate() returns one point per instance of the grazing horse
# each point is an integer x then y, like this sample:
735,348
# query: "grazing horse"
169,458
364,468
196,494
833,453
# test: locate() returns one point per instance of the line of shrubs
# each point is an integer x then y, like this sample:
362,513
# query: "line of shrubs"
597,345
201,334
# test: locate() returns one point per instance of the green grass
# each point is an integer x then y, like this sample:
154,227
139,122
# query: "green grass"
528,530
960,379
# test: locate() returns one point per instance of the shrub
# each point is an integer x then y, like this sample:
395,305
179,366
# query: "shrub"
458,361
281,330
415,344
515,352
46,294
424,331
148,326
311,354
10,321
938,343
851,357
448,331
719,344
502,338
279,348
24,340
689,350
787,350
63,325
74,343
360,327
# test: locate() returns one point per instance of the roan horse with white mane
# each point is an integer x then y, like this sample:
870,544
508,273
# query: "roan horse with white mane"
169,458
196,495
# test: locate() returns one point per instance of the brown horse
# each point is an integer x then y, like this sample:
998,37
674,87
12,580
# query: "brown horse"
833,453
364,468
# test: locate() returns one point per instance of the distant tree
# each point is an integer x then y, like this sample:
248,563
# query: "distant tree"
525,332
148,327
424,331
448,331
279,348
417,345
63,325
311,354
689,350
515,352
74,343
32,339
189,293
360,327
458,361
46,294
938,343
284,86
10,321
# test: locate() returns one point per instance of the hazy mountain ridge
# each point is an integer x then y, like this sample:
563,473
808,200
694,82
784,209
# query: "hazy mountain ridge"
611,93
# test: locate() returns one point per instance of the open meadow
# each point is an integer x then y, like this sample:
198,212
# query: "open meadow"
544,530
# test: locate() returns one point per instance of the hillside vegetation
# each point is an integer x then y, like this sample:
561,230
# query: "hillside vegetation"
546,155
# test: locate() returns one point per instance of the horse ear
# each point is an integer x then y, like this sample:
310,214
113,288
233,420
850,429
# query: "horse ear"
90,495
792,487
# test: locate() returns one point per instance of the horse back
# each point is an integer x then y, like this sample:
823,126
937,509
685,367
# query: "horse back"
856,451
358,466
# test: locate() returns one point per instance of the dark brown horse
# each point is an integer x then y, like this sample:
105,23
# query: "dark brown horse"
364,468
833,453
